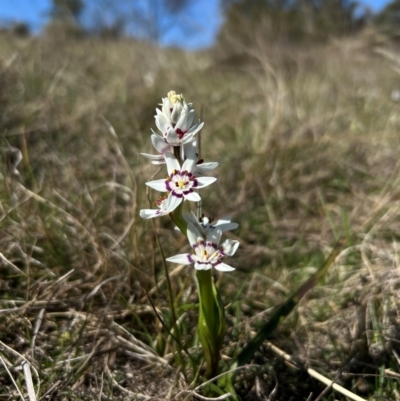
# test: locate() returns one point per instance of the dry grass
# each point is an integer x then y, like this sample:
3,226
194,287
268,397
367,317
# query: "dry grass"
307,141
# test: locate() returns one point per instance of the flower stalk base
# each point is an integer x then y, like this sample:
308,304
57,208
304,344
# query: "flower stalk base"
211,325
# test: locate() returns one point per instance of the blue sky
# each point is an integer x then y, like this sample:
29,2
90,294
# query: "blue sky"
204,18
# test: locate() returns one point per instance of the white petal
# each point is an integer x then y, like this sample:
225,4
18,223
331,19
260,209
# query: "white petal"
195,129
188,165
191,218
214,236
192,197
183,259
225,219
193,235
204,181
172,203
172,163
190,150
151,213
179,110
206,167
162,121
166,107
223,267
190,118
158,185
202,266
187,138
226,226
230,247
172,137
160,144
182,122
154,157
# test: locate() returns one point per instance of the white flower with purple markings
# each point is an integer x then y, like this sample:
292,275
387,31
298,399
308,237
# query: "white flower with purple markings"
175,120
186,151
206,225
165,206
161,146
177,148
190,152
181,181
207,252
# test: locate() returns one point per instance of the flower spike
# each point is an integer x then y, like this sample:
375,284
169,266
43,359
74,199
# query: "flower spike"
177,148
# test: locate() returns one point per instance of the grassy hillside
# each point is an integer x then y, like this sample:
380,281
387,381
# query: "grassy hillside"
308,145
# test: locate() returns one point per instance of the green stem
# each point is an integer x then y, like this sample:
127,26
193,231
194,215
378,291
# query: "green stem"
178,219
211,321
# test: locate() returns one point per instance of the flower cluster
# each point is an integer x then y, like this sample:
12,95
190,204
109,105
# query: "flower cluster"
207,253
177,149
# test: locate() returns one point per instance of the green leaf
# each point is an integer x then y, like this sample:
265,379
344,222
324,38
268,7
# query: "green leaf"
226,381
283,310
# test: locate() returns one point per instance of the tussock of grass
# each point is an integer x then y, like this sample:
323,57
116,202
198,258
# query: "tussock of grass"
308,150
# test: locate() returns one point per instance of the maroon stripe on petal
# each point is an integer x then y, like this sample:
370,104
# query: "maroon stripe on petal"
168,185
208,263
177,195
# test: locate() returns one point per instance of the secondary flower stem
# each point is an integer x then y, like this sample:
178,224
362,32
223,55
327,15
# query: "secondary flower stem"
177,218
171,305
177,154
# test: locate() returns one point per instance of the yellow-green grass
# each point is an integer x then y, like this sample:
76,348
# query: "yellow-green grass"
308,145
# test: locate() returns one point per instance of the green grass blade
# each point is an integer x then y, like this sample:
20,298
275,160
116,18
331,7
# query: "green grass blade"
283,310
